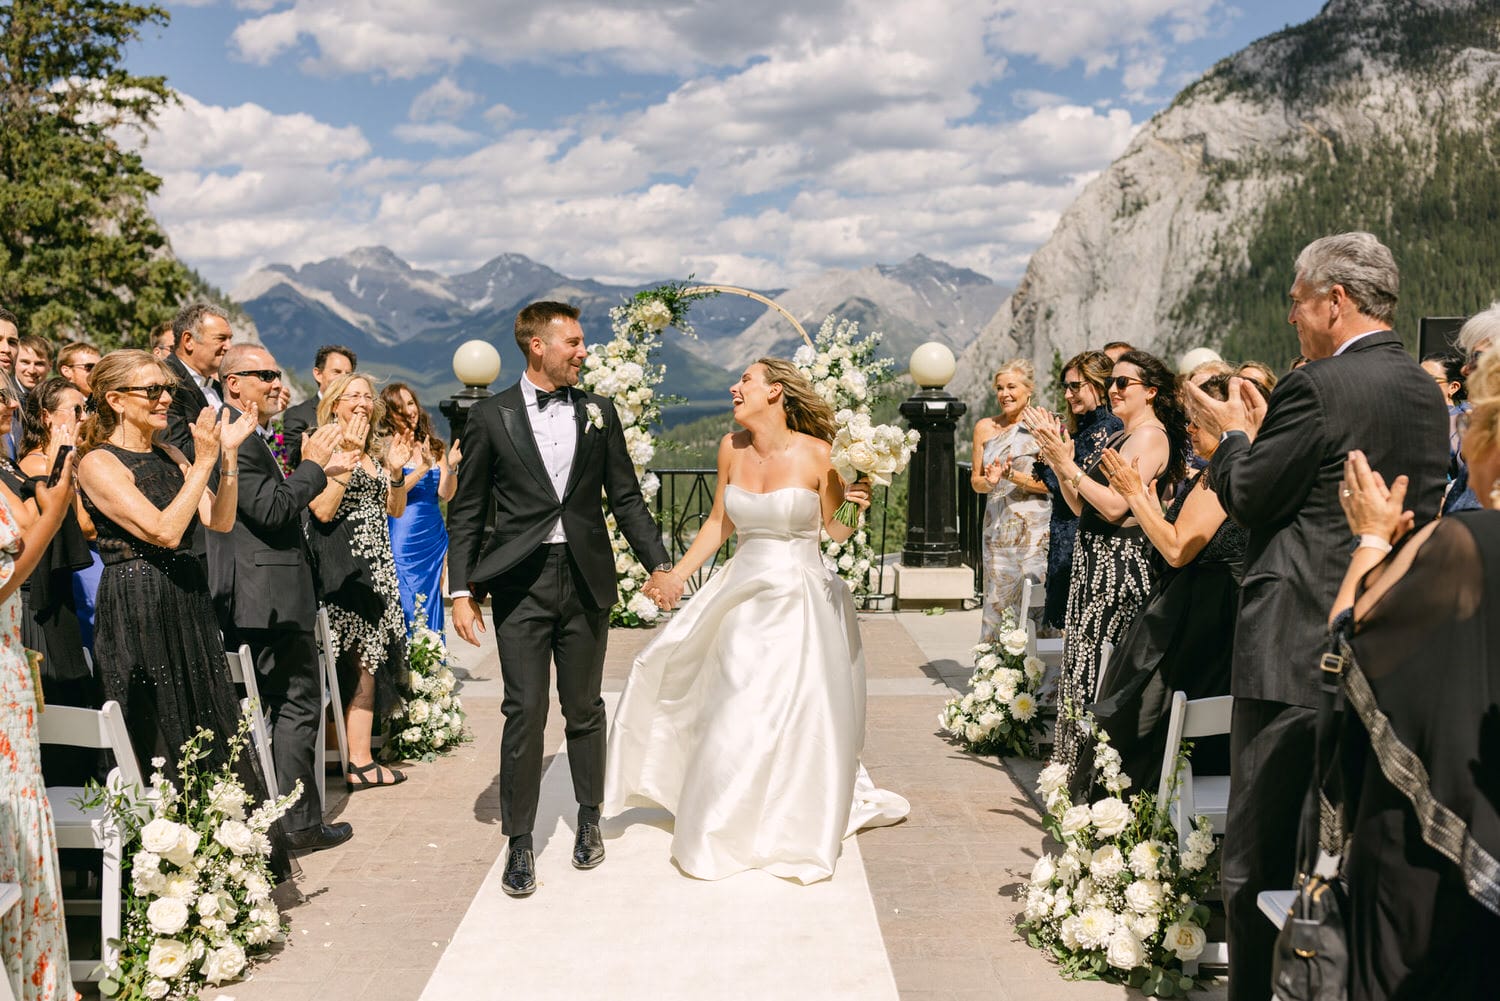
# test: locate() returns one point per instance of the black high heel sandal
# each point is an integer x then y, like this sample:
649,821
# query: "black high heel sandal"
361,773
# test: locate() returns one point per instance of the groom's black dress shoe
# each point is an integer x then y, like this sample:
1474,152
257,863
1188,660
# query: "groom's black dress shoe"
520,873
588,847
315,839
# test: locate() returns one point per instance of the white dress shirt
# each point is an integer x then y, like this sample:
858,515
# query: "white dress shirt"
556,432
1353,340
207,385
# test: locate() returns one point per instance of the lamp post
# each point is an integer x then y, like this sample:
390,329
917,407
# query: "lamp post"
931,571
476,364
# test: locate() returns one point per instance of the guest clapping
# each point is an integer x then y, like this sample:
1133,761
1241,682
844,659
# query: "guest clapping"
1016,512
1111,573
419,539
351,545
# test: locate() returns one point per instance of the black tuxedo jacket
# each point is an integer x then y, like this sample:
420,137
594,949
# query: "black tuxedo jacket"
503,469
296,422
259,571
1285,488
188,402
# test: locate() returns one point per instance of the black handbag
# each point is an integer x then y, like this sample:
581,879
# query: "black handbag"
1311,958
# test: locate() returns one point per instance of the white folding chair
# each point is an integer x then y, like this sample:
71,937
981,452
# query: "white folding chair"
1206,795
101,729
1049,648
10,896
242,672
331,700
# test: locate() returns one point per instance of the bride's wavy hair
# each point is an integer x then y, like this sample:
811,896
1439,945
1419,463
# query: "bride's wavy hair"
806,411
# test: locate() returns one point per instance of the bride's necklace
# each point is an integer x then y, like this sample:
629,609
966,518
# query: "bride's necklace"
773,454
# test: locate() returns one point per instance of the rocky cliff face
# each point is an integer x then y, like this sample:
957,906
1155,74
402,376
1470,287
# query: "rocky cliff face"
1376,114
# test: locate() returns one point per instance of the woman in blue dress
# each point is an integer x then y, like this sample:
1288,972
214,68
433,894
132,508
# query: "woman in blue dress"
419,539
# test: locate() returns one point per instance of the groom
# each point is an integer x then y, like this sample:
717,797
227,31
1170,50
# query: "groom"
539,455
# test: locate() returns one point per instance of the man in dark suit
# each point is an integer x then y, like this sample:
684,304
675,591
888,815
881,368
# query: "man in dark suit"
540,453
10,347
1278,472
203,334
332,361
262,584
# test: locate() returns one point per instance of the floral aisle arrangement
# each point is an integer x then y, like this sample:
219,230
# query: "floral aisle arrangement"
199,902
999,715
622,370
1120,903
432,721
845,369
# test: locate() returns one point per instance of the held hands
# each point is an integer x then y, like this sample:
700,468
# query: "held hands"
233,435
207,432
1370,507
664,588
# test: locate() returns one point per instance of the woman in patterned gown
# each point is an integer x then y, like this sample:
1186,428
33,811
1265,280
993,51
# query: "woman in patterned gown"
1111,572
1017,509
351,545
33,939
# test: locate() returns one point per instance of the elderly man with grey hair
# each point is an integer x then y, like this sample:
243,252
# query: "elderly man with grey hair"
1278,472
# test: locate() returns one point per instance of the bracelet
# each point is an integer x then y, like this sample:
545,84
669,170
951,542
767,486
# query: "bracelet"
1077,478
1369,540
343,483
229,474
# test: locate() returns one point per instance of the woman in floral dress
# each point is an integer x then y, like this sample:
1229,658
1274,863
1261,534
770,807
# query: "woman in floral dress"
33,939
1017,511
351,544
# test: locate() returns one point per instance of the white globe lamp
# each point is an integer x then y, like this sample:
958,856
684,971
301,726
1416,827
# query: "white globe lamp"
476,363
933,365
1197,356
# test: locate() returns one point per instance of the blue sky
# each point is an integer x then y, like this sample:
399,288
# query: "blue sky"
753,143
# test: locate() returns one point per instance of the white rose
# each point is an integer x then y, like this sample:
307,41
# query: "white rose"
1044,870
411,735
1110,816
1076,819
1185,940
438,740
1125,950
168,958
417,711
846,562
1107,864
804,356
1023,706
160,836
1068,867
1083,893
990,721
223,963
155,989
987,662
1143,926
1068,932
1038,904
974,732
167,916
983,690
1053,778
144,861
1095,926
236,837
1144,896
181,854
643,607
1015,642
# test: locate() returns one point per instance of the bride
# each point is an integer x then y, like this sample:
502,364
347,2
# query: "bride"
745,718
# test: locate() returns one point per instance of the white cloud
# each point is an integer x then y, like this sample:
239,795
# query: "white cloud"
444,99
435,133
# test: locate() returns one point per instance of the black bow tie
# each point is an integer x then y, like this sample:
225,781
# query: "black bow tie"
562,395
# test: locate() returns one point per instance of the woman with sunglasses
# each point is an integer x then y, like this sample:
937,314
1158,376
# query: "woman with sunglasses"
1090,425
1111,572
49,619
156,634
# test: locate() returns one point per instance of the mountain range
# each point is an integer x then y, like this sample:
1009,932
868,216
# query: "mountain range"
405,322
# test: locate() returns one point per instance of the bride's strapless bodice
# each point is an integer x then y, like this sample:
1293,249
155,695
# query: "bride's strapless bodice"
791,514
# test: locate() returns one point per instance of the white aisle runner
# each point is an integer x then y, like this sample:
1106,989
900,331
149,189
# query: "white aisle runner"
636,927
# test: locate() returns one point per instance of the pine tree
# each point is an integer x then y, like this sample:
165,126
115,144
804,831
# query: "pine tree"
80,253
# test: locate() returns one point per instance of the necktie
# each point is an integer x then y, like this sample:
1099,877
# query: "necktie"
561,395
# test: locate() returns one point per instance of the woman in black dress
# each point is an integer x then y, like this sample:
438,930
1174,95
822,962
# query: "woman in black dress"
350,540
156,636
1090,424
1111,573
1183,640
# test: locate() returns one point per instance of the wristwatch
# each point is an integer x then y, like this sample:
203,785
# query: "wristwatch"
663,567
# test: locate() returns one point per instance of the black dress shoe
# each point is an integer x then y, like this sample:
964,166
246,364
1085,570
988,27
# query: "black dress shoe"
588,847
315,839
520,873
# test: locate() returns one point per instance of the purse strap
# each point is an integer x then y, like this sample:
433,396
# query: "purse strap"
1330,693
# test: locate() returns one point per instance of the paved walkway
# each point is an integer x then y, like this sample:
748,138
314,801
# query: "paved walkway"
383,910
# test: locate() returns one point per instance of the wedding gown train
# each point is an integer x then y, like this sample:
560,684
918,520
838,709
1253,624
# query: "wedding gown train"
745,718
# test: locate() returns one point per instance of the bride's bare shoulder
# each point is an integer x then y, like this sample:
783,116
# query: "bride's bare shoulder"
814,446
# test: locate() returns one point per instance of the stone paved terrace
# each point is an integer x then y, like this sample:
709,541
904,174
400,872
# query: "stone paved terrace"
382,910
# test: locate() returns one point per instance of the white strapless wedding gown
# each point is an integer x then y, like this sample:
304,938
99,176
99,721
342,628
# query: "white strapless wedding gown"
745,718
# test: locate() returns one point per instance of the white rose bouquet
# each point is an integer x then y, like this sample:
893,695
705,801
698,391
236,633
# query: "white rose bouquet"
999,714
875,452
432,720
1120,902
198,902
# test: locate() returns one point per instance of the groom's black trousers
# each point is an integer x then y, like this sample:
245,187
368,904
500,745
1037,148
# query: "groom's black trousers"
542,614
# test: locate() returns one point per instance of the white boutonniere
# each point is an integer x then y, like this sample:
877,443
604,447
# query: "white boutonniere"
595,418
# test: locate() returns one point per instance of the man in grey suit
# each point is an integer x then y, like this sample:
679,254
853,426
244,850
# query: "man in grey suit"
262,583
1278,472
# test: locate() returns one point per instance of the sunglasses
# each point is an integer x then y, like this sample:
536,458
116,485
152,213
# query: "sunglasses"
152,392
76,409
1072,387
1120,382
87,366
263,374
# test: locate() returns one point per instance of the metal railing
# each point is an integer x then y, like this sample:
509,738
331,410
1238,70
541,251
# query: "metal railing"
971,524
686,496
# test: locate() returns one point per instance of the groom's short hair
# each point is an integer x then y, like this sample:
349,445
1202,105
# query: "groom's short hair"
535,318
